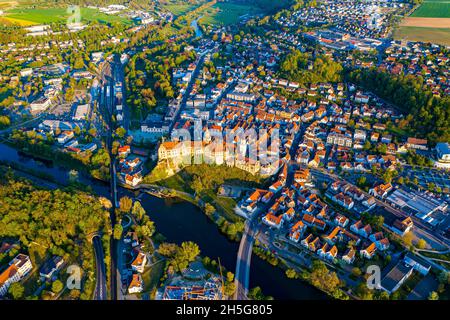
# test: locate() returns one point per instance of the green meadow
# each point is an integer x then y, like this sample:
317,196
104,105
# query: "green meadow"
228,13
433,9
179,9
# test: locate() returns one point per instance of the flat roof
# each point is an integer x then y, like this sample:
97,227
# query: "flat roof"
396,275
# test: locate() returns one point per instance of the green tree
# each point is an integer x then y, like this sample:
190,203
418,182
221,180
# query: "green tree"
16,290
322,278
421,244
433,296
125,204
118,230
121,132
57,286
291,273
356,272
408,239
138,211
167,249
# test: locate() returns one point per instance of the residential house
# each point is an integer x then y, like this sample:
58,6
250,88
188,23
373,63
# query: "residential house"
349,256
297,231
369,252
136,284
139,262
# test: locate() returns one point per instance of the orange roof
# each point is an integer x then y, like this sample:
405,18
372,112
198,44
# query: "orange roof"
371,249
136,281
139,259
333,233
274,219
8,273
169,144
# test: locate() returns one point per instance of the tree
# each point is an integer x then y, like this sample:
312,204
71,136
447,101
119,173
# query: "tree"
57,286
256,294
363,292
291,273
118,230
4,122
408,238
433,296
322,278
209,209
138,211
356,272
190,250
125,204
147,229
75,294
421,244
361,182
382,295
167,249
16,290
180,256
121,132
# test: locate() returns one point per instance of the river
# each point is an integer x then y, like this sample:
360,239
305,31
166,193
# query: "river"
181,221
198,31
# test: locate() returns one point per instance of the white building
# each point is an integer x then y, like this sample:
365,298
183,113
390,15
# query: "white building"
40,104
18,268
443,151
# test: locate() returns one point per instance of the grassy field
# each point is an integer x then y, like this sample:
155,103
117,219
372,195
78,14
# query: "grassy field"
28,16
433,9
434,35
179,9
227,13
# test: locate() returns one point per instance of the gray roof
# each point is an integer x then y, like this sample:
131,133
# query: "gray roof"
396,275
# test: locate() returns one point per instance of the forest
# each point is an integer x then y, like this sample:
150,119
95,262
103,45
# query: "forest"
303,68
58,222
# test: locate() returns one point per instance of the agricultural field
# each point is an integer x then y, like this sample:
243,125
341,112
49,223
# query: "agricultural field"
29,16
179,9
228,13
429,23
433,9
433,35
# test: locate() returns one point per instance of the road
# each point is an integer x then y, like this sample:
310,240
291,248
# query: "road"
100,287
187,93
242,276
